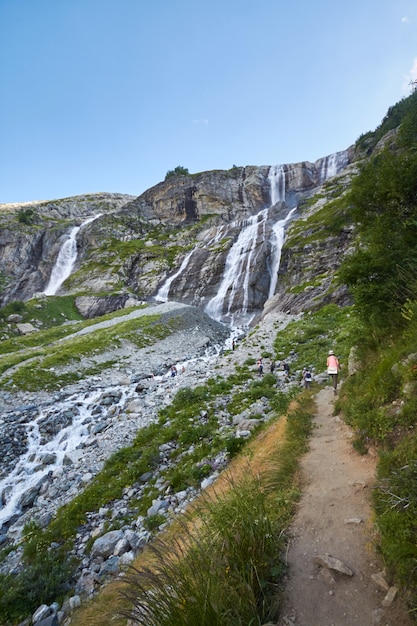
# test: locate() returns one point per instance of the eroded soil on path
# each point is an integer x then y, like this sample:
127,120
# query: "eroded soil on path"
335,518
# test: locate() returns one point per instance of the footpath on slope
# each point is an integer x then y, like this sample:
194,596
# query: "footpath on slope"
334,517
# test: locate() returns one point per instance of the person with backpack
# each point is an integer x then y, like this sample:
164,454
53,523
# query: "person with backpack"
333,367
307,378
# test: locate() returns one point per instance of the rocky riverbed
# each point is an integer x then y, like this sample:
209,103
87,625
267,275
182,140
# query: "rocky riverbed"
103,414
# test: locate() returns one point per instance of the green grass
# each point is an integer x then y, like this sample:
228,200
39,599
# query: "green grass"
55,365
180,423
311,337
227,570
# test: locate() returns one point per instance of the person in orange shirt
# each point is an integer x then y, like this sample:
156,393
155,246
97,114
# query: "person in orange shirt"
333,368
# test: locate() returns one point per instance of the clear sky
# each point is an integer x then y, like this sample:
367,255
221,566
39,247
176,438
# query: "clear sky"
108,95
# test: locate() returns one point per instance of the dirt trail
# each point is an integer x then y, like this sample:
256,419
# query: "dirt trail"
335,518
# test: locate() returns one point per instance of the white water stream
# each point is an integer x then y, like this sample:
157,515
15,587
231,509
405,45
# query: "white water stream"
162,295
66,258
30,468
46,455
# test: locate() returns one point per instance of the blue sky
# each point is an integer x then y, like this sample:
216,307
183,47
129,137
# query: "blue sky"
108,95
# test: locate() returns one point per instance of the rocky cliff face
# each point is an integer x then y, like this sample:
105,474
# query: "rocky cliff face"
178,240
31,235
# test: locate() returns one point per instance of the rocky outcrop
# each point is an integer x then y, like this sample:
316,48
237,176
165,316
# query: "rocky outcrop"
31,235
94,306
181,231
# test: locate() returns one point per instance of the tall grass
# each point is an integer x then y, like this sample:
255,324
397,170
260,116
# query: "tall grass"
225,565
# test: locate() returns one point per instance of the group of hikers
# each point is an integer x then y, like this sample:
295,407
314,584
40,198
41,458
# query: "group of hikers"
332,365
272,367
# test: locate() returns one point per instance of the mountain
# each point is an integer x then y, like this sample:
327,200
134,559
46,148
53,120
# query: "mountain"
310,256
211,239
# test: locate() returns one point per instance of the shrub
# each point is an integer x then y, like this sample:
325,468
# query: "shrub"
177,171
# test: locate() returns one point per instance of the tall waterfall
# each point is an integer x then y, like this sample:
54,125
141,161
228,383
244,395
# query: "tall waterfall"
238,266
232,299
333,164
66,258
277,241
276,178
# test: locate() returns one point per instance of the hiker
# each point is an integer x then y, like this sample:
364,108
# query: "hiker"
307,378
233,344
260,366
173,371
272,367
333,368
286,369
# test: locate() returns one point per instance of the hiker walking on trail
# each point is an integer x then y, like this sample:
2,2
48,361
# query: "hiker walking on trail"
333,368
307,378
272,367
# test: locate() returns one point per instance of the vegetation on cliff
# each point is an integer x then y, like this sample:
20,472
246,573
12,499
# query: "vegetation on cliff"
380,400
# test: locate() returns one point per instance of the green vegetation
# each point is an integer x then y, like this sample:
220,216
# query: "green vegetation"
177,171
225,567
26,216
229,571
46,312
181,425
310,338
52,366
380,400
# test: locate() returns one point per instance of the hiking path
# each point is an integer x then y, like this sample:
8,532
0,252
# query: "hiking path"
334,520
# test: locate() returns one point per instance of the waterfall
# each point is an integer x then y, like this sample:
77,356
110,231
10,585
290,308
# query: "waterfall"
162,295
333,164
241,259
237,271
277,241
163,292
276,179
66,258
81,417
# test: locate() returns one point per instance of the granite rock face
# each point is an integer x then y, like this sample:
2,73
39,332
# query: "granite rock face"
185,231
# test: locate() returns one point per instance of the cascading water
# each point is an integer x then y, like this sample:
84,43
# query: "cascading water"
163,292
276,178
231,302
72,425
162,295
66,258
277,241
29,470
333,164
236,274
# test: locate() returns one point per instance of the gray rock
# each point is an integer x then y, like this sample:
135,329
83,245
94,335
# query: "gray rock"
41,613
52,620
104,546
390,597
26,329
326,560
14,318
109,567
157,507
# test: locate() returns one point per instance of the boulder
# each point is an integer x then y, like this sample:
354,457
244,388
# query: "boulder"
104,546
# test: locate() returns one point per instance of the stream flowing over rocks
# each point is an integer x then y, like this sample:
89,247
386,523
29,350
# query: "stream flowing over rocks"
51,448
